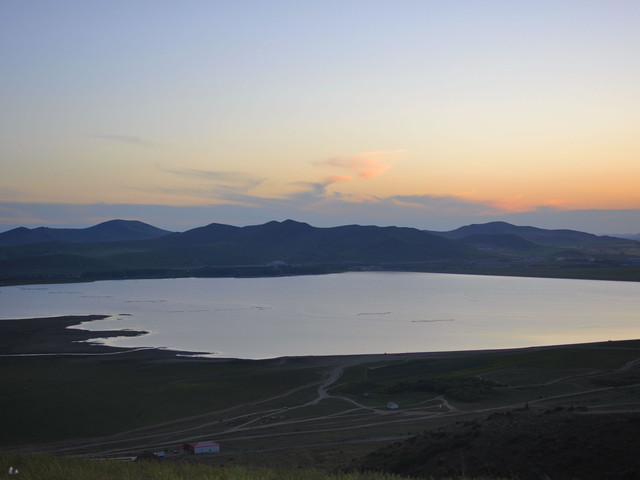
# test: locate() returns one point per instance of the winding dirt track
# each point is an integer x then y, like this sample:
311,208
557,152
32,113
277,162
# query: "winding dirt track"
220,423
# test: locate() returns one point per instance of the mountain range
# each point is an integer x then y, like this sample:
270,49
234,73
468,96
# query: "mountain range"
125,248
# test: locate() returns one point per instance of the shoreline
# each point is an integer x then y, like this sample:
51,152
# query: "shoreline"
618,274
51,336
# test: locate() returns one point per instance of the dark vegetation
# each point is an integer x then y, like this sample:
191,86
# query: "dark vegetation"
463,388
559,443
126,249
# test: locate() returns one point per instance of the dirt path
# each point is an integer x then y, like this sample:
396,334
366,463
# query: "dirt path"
332,378
258,423
148,440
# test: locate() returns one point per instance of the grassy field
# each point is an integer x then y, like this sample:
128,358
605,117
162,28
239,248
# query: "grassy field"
48,467
61,398
323,413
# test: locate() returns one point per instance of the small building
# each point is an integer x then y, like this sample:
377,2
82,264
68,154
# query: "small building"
196,448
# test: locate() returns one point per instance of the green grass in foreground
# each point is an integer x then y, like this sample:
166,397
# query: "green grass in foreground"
56,398
48,467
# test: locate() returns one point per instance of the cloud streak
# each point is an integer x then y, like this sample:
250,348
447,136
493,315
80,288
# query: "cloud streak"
365,165
237,180
208,186
128,139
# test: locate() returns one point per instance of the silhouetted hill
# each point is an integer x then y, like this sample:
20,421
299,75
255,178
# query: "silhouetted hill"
287,243
111,231
628,236
214,232
553,238
507,241
26,236
296,242
271,232
121,230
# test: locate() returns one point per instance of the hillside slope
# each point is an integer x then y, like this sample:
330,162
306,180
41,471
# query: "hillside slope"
111,231
559,444
563,238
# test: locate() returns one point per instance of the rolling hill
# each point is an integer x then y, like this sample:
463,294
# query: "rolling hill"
295,242
552,238
111,231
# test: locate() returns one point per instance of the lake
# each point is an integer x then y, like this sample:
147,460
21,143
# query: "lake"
347,313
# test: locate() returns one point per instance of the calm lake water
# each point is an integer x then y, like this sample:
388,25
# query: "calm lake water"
348,313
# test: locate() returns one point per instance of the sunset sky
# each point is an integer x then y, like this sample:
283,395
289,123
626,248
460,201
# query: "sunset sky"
427,114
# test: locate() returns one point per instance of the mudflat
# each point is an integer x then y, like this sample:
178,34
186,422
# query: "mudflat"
52,335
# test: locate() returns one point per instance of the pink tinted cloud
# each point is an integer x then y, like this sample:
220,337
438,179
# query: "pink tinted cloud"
468,194
338,179
366,164
519,204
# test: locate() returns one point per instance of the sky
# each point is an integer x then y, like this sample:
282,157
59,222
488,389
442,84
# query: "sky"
426,114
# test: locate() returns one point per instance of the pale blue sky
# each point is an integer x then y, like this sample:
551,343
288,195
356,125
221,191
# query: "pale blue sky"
420,113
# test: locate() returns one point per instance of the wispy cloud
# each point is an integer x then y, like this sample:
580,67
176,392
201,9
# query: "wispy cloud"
366,164
235,180
516,203
338,179
442,205
309,189
315,193
208,186
520,204
8,193
129,139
